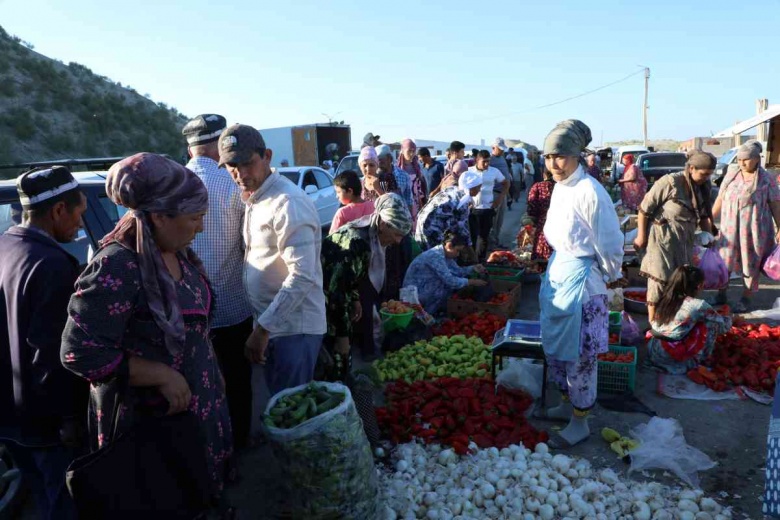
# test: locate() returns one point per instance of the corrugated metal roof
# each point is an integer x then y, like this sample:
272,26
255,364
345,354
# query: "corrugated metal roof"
771,112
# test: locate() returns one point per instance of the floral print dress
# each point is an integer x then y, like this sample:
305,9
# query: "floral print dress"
444,212
538,204
436,278
747,226
693,312
109,320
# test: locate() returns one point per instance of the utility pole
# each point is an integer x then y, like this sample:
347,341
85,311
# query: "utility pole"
644,106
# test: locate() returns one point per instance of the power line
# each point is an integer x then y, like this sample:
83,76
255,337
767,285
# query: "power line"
507,114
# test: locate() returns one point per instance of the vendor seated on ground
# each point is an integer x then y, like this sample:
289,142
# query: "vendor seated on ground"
684,327
436,274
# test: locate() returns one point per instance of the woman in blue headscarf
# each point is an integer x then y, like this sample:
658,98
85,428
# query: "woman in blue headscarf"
583,230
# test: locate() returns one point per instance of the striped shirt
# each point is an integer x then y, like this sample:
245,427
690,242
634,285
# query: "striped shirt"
221,245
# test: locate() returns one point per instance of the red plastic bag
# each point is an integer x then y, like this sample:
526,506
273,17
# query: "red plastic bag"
716,275
772,265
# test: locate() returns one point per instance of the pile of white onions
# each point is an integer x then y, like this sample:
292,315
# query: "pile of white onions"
430,482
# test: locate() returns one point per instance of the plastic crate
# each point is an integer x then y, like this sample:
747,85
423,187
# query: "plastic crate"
615,327
616,378
460,308
515,277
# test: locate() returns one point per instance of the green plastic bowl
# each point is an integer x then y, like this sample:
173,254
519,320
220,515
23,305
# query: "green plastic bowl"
392,321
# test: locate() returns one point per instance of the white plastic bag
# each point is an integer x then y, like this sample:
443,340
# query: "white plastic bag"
409,294
664,447
615,300
326,461
521,374
768,314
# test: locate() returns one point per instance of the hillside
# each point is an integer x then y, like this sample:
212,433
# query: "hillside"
49,110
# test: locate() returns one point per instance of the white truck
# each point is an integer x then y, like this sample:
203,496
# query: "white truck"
308,145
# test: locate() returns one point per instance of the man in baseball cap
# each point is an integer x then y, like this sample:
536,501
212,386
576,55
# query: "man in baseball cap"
42,404
282,268
221,249
371,140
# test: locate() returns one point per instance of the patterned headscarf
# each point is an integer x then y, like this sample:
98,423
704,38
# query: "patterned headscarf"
568,138
419,186
147,183
391,209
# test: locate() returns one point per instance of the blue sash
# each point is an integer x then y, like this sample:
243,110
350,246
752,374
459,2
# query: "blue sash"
560,304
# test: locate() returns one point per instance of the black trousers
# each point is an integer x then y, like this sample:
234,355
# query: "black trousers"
480,224
236,369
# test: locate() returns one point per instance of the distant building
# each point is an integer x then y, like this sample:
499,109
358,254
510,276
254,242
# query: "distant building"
717,146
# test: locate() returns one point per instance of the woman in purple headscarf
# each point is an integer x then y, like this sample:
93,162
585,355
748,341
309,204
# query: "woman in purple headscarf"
409,162
141,311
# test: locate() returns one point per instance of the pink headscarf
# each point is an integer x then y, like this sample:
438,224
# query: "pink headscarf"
368,154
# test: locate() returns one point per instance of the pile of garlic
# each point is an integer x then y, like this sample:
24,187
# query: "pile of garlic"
430,482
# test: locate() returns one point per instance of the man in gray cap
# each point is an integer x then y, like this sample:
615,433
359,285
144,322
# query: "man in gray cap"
370,140
500,189
221,249
42,404
583,229
282,269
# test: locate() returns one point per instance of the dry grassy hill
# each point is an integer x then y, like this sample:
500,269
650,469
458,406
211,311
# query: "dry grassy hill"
49,110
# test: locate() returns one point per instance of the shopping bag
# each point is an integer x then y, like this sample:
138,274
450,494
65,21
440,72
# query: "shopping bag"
630,333
716,275
772,265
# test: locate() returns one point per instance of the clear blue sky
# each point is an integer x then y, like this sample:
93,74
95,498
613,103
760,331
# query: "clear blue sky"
439,69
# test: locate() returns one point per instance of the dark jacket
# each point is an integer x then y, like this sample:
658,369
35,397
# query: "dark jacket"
36,391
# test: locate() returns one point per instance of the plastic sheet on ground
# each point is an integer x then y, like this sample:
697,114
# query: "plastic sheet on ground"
327,465
663,446
680,387
767,314
522,374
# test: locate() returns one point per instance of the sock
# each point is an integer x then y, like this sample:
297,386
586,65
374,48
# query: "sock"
577,430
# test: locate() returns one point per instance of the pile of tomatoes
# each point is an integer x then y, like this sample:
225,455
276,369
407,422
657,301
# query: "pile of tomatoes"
614,357
497,299
503,258
748,355
637,296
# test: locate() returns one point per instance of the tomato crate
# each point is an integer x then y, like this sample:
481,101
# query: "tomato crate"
458,308
615,327
516,275
616,378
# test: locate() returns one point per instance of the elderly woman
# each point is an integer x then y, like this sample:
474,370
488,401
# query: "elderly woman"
633,185
583,229
448,210
409,163
140,314
436,274
353,272
676,205
749,207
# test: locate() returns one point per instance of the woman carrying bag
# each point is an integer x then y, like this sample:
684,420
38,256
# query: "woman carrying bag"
138,331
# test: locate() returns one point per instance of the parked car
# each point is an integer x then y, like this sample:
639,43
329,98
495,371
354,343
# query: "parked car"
101,215
617,159
349,162
655,165
727,163
318,185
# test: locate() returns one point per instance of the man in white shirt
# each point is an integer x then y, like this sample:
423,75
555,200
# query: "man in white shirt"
282,269
486,202
498,161
221,249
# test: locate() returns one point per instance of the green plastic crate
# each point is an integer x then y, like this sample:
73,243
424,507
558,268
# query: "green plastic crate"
616,378
615,318
516,277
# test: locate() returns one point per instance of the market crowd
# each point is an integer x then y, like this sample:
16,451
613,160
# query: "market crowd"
221,264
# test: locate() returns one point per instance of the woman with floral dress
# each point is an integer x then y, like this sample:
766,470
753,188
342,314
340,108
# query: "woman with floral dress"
633,185
749,208
436,274
685,327
539,197
140,315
